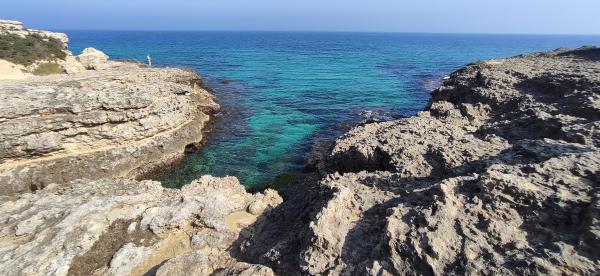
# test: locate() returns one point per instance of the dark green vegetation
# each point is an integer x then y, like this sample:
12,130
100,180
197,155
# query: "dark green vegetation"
48,68
26,50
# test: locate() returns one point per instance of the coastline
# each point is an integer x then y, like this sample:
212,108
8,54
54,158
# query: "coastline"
496,175
166,125
169,164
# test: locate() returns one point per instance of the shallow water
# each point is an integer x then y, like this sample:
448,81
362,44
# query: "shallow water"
291,92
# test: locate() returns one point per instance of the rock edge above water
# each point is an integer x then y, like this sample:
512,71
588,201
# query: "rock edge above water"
123,121
498,175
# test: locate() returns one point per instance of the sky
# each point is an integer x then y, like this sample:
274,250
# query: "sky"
431,16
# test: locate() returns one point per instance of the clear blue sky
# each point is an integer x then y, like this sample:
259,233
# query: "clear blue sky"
444,16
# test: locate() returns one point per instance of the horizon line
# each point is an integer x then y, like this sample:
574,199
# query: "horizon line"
327,31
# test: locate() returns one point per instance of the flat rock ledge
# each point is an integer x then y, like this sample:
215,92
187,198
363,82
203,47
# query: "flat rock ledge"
122,121
128,227
499,175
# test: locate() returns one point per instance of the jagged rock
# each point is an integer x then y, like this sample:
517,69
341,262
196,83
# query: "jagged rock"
72,66
498,175
81,226
123,121
93,59
245,269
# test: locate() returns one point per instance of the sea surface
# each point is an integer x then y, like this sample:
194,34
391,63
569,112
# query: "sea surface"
285,95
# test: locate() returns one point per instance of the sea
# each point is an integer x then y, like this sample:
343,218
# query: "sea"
285,96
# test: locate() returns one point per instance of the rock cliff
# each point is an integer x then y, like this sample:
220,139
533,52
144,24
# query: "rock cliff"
16,27
498,175
119,122
70,148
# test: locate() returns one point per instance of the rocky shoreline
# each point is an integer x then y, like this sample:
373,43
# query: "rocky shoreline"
107,119
123,121
498,175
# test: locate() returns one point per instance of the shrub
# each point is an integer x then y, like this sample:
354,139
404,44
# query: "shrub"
26,50
48,68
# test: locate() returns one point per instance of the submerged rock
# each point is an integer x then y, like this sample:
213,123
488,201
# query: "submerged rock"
499,175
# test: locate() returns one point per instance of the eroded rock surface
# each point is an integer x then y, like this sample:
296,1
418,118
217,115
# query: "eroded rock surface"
126,227
123,121
498,175
93,59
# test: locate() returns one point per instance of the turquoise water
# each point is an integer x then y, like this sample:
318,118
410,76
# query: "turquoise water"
285,95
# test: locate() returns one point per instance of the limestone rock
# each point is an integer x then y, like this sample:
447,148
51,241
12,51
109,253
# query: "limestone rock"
192,263
123,121
498,175
245,269
93,59
16,27
72,66
10,25
81,226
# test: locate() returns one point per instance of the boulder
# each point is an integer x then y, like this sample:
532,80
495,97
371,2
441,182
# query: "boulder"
93,59
72,66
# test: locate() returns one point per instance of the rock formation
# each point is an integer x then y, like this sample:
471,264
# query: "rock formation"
93,59
89,59
498,175
126,227
16,27
119,122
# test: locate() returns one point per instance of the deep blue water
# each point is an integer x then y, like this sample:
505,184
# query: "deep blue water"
292,92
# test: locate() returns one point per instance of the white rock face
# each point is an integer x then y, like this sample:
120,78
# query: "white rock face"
93,59
10,25
122,121
16,27
72,66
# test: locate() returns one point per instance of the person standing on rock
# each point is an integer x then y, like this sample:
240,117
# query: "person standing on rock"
149,60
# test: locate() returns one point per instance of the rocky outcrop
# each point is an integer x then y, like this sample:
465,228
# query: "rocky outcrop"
93,59
126,227
72,66
120,122
89,59
16,27
498,175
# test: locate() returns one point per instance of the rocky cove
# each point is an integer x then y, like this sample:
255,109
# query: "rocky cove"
498,175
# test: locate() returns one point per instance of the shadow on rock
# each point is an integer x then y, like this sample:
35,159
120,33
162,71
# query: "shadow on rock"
277,238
